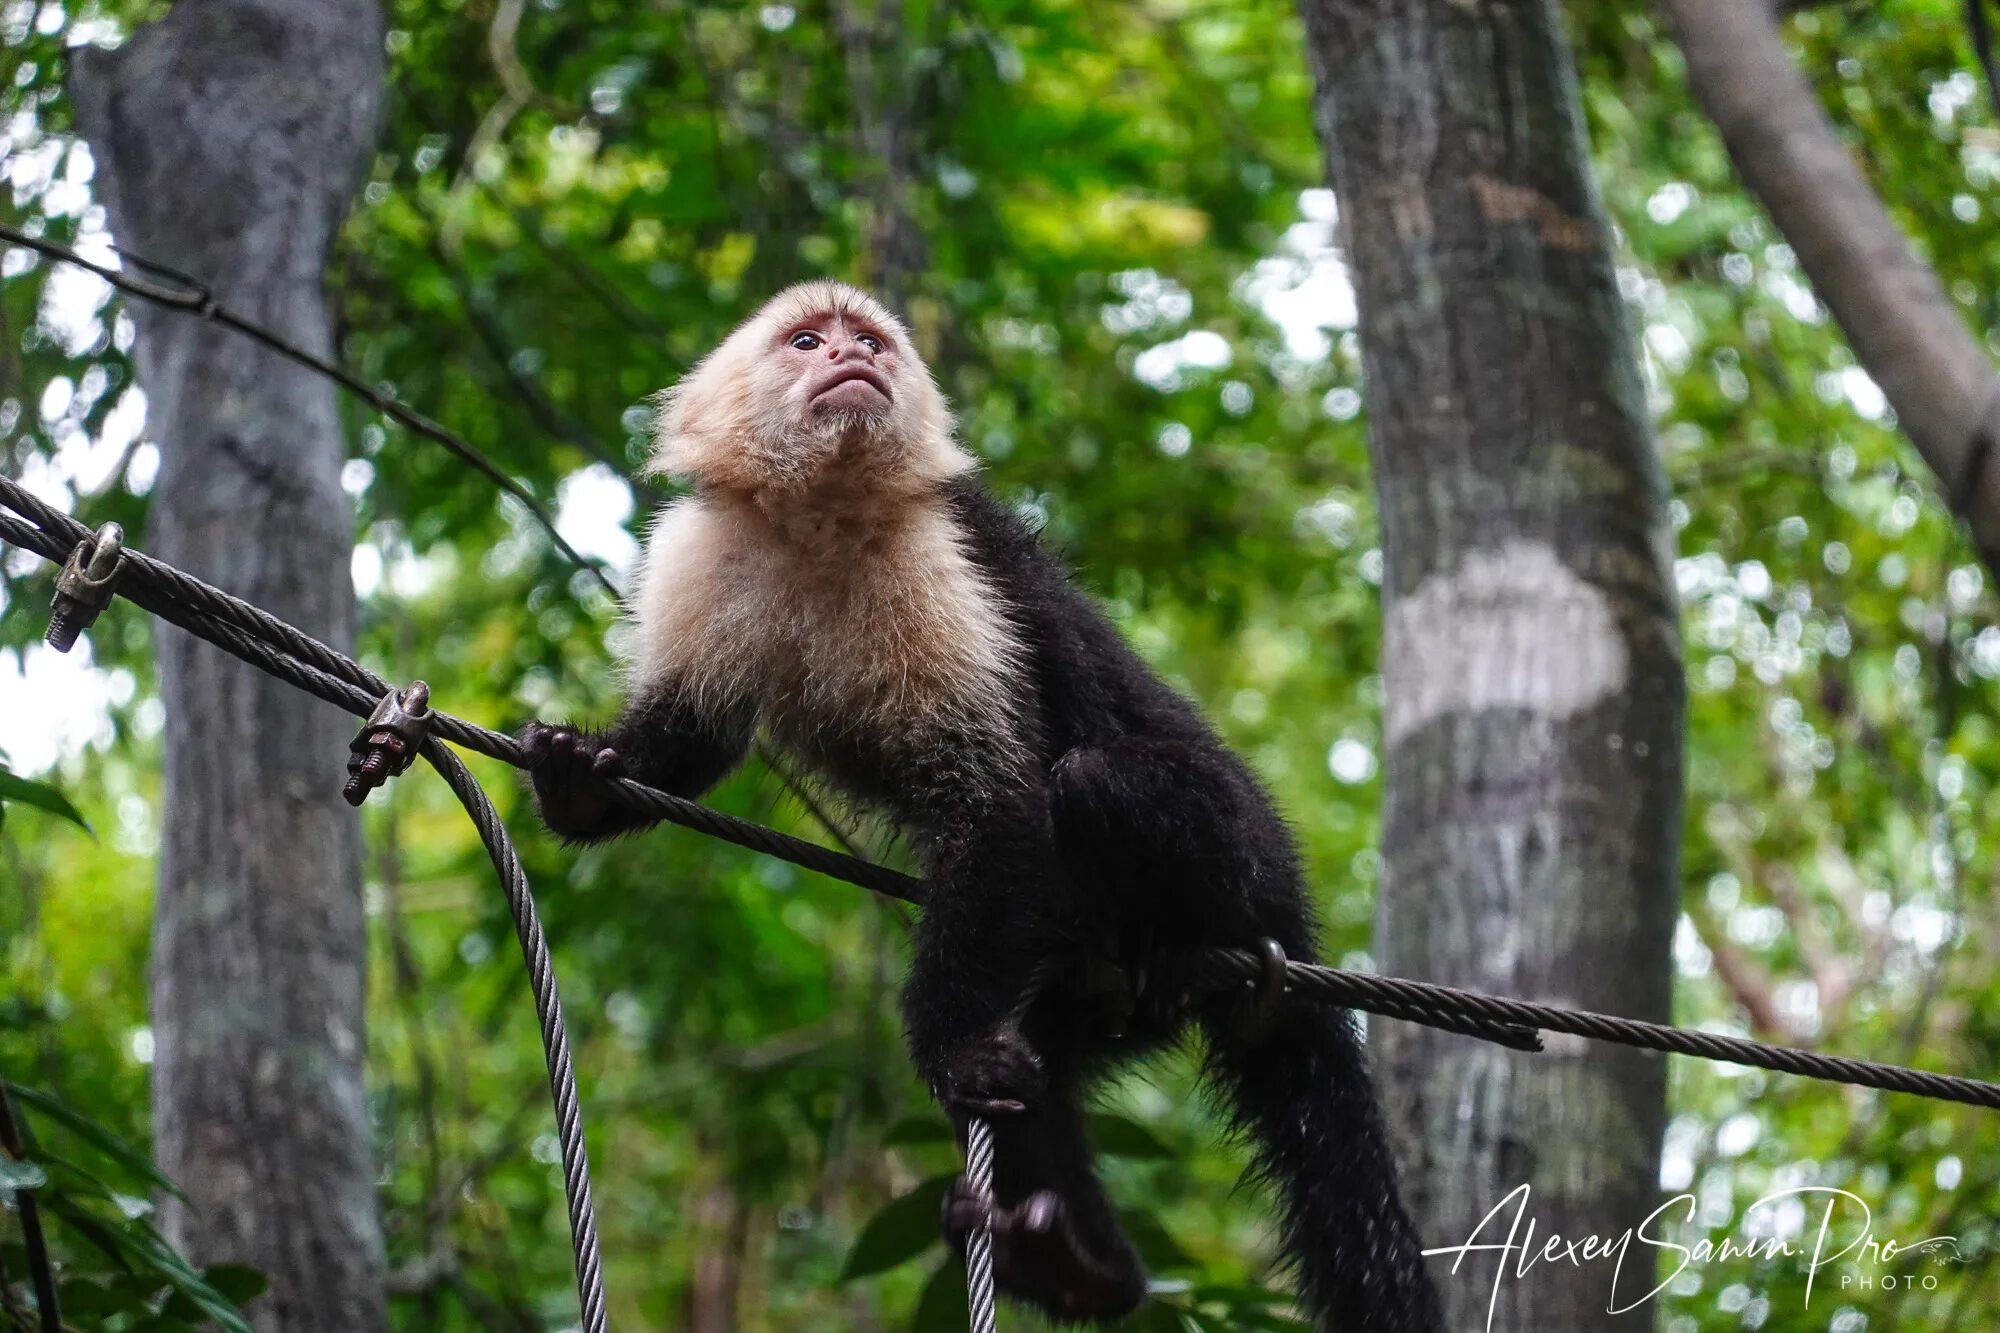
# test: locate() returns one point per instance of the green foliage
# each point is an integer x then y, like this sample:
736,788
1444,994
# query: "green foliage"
121,1274
900,1232
41,795
1093,184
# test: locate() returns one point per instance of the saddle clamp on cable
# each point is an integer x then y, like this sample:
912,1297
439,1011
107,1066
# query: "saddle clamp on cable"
83,588
388,742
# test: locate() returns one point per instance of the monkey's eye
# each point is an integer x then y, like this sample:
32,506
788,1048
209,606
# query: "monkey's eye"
871,342
805,342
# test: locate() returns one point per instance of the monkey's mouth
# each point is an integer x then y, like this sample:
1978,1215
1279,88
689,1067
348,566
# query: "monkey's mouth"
848,375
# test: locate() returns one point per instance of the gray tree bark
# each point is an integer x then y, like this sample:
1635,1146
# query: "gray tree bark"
1533,697
229,137
1906,332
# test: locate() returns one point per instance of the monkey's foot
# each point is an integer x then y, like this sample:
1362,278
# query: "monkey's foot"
998,1074
1041,1256
569,769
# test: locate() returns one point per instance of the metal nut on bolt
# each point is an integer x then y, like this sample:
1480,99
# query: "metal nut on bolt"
388,742
83,588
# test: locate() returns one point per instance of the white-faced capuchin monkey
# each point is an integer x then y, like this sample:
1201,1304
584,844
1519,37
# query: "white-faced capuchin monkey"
839,579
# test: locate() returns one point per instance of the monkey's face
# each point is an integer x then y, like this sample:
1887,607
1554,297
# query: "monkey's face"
823,382
842,368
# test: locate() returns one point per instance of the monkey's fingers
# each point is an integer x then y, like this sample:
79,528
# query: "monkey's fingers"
568,768
536,740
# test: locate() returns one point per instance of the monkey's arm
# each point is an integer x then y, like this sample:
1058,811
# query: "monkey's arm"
659,740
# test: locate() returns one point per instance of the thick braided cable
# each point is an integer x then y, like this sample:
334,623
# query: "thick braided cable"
1418,1001
979,1295
555,1034
357,699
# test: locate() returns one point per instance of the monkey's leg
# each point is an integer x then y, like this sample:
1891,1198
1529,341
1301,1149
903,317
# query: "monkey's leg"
1172,835
1057,1244
657,740
990,917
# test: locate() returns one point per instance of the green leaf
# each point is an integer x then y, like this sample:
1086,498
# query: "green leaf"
109,1241
1123,1137
113,1147
93,1299
240,1283
942,1307
1238,1293
138,1246
1150,1237
168,1262
21,1175
42,796
1162,1317
912,1131
900,1232
1269,1322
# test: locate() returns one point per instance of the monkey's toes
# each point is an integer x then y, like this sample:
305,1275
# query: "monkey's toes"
963,1212
1040,1256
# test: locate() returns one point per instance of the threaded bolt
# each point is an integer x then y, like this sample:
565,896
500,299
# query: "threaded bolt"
371,773
64,627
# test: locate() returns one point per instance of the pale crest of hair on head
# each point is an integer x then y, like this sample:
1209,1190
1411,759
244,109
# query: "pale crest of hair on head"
738,420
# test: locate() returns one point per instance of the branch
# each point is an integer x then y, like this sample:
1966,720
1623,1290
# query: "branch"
1905,330
548,414
1747,982
600,288
192,297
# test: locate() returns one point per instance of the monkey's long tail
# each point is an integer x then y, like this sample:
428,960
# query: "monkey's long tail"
1300,1090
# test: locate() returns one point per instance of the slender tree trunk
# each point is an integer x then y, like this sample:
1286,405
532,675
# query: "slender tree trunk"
1907,333
229,137
1533,697
878,72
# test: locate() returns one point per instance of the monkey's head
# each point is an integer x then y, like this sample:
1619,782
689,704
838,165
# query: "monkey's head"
821,383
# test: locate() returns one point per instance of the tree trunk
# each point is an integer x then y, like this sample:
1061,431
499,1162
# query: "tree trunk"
1907,333
1533,697
879,76
229,137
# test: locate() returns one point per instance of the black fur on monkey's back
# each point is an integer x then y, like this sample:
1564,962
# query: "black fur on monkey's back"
1166,842
1109,820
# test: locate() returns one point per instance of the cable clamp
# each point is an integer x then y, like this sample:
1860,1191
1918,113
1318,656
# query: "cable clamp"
83,588
388,742
1273,980
1258,1010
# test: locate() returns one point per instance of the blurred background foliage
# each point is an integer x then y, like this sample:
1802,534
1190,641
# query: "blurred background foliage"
1133,295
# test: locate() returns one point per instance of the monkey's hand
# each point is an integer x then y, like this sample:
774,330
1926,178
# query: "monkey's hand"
997,1074
1042,1256
570,769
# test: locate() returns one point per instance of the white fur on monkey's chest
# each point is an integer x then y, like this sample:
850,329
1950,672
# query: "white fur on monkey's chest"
827,623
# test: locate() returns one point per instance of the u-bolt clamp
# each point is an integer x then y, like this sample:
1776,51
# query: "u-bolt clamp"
83,588
1256,1011
388,742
